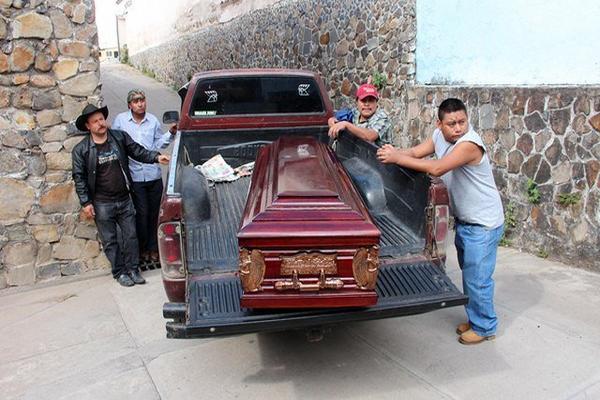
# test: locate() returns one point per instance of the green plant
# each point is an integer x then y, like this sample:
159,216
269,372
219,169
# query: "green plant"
379,80
567,199
504,242
542,253
148,72
510,222
533,193
125,55
510,217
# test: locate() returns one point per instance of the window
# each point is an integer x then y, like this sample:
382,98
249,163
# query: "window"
256,95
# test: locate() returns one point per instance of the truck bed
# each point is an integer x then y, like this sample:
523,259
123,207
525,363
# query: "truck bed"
212,245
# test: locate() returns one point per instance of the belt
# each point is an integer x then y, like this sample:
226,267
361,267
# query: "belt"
461,222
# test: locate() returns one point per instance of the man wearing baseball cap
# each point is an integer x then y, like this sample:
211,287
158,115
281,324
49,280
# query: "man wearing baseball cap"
102,182
147,185
369,122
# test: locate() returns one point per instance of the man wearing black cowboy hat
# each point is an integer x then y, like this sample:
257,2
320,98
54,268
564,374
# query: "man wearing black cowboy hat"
102,182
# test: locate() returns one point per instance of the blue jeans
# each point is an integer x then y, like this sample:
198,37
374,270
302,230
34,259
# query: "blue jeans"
122,254
476,246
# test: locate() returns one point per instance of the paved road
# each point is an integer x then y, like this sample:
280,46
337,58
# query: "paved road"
92,339
118,79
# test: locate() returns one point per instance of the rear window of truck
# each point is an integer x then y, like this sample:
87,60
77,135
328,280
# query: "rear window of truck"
256,95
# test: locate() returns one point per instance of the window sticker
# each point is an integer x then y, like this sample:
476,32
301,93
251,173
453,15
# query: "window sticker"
302,150
212,95
204,113
303,89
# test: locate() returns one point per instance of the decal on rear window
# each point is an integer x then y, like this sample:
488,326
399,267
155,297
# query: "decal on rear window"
212,95
303,89
204,113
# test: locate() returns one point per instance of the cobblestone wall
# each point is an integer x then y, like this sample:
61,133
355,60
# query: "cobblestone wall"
346,41
546,140
48,73
549,134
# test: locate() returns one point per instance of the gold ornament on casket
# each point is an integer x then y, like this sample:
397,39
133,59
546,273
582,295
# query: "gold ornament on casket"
252,270
365,267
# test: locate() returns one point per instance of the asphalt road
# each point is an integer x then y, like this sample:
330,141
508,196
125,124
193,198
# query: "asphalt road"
93,339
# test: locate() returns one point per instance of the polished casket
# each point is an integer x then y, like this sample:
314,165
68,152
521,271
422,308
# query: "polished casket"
306,238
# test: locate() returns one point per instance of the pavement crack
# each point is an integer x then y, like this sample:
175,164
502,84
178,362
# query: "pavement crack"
43,353
56,301
137,347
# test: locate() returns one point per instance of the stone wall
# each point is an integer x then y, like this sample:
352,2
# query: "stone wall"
346,41
547,134
48,72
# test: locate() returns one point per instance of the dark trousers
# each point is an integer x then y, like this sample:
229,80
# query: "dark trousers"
146,198
122,254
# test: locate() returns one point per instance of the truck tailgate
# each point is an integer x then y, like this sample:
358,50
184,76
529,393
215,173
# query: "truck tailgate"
214,304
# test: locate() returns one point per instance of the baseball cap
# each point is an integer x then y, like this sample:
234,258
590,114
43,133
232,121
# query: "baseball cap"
366,90
135,94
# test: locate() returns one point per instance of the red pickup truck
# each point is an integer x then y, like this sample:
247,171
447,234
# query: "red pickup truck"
235,113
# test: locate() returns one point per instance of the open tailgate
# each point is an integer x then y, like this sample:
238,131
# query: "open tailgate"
213,306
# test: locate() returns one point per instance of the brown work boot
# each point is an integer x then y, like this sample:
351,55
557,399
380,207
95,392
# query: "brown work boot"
462,328
470,337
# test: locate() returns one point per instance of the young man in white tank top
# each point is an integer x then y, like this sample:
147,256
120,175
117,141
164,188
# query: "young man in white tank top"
462,163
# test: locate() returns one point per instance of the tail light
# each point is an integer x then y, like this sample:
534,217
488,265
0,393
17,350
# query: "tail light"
170,247
440,229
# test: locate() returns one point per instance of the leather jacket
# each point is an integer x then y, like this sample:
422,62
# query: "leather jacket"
84,158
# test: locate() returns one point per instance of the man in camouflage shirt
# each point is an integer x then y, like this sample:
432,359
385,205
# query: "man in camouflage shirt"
369,122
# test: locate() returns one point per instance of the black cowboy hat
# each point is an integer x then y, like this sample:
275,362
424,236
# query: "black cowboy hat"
87,111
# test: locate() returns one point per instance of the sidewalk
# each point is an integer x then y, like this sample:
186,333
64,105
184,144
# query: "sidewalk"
94,339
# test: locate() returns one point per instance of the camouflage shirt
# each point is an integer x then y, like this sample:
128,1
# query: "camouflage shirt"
379,122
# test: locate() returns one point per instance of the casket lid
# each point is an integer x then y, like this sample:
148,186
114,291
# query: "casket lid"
299,188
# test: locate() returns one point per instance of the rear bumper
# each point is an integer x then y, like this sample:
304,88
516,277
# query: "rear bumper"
214,307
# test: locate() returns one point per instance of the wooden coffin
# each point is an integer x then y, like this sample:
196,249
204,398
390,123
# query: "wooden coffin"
306,238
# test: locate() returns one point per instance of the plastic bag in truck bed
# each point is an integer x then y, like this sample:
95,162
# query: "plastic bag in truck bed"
217,170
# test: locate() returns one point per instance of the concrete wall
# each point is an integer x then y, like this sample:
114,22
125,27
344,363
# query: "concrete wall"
513,42
549,134
152,22
48,73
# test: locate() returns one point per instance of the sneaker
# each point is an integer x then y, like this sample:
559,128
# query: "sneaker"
462,328
136,277
125,280
470,337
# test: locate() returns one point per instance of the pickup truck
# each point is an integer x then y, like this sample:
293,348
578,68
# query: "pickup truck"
235,113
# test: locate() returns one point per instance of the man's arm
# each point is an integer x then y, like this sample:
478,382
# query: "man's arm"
162,139
370,135
387,152
139,152
380,128
462,154
79,173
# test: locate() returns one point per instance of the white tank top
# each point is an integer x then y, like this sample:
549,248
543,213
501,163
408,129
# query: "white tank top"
474,197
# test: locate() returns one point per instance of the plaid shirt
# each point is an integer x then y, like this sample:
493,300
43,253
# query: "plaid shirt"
379,122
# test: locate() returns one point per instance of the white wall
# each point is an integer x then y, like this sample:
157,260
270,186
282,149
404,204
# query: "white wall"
152,22
508,42
106,23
